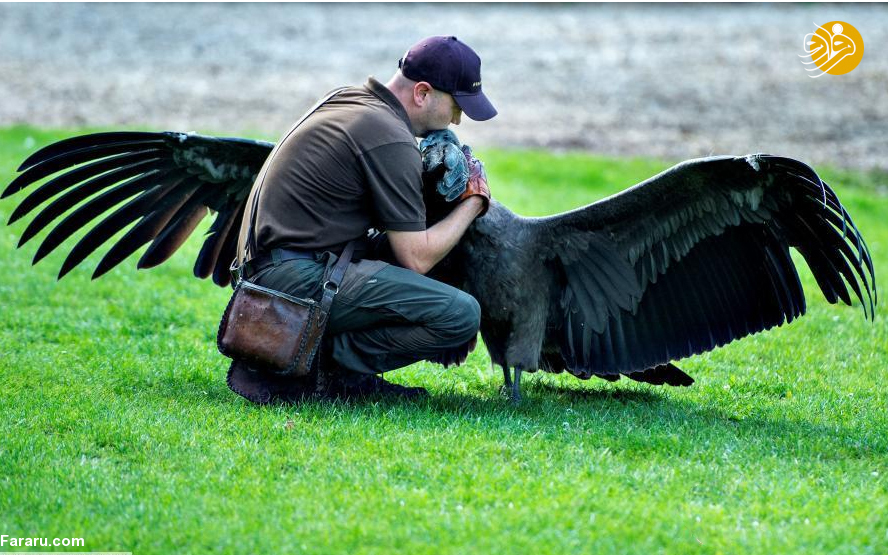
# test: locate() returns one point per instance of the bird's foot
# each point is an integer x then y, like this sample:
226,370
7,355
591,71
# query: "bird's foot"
516,386
512,387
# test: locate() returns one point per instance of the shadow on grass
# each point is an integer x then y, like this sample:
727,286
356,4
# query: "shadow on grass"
551,401
611,393
640,421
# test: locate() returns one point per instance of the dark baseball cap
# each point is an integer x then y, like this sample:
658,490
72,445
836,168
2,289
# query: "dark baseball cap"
449,65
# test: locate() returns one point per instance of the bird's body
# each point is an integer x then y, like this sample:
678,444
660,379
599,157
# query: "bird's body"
513,285
687,261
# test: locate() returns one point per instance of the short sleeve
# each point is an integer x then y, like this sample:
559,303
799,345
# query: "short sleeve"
394,178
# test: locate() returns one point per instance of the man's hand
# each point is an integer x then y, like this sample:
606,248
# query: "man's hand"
477,182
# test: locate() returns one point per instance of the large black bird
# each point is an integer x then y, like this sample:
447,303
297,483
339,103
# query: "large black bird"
686,261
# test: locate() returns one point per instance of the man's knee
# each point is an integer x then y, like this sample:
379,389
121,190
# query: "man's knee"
463,319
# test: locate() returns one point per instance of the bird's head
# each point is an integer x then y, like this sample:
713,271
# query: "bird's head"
437,207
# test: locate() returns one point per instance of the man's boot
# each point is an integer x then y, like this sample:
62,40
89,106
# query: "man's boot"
336,382
354,385
327,380
263,387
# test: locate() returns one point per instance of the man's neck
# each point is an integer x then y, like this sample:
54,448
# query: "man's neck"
405,96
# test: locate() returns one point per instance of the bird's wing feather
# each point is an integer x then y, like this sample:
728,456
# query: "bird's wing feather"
696,257
164,183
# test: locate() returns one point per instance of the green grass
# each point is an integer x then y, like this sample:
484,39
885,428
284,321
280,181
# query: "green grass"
117,425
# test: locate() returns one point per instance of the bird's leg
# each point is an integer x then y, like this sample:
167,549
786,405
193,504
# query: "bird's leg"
506,389
516,386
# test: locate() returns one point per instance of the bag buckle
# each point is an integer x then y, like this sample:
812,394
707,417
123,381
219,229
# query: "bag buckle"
237,272
330,286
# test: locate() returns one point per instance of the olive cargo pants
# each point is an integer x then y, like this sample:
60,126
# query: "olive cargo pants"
383,317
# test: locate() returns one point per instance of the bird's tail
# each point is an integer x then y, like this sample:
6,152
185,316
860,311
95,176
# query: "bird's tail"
668,374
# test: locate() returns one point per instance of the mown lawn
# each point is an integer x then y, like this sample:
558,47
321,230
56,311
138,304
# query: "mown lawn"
117,425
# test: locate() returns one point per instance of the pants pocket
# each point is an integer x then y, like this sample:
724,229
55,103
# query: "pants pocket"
357,275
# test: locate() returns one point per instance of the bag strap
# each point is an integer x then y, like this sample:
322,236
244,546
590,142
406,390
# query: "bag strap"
250,244
331,286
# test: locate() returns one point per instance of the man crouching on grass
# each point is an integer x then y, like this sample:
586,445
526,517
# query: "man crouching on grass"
352,166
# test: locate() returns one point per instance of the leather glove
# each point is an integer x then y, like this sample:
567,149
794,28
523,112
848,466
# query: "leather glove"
477,182
441,148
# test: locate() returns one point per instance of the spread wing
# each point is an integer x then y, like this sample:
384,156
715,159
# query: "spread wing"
164,183
696,257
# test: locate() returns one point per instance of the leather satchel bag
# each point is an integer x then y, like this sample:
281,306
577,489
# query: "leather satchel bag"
275,331
270,329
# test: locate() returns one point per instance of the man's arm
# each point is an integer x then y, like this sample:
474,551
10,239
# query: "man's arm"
421,250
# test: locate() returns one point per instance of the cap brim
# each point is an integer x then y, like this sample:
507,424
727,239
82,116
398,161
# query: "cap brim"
476,106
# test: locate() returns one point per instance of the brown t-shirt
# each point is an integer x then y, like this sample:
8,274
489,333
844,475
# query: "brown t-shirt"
351,166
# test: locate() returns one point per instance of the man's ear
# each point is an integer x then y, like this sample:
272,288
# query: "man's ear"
422,93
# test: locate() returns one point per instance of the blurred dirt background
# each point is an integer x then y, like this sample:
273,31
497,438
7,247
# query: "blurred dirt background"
672,81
